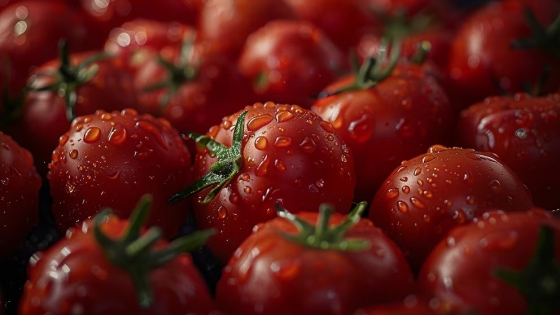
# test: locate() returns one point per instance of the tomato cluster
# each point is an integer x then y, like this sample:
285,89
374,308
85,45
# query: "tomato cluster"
279,157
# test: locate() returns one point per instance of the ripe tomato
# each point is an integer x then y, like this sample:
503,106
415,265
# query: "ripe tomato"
313,264
278,154
386,116
112,159
290,61
412,305
470,266
482,61
110,266
62,89
19,209
428,195
224,25
524,132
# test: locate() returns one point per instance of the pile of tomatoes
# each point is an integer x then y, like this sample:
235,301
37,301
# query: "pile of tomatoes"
279,157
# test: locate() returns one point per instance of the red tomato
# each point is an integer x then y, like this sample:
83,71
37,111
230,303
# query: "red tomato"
112,159
94,271
62,89
224,25
468,267
524,132
19,209
137,40
279,154
385,118
193,92
344,22
482,61
290,61
412,305
313,264
430,194
29,35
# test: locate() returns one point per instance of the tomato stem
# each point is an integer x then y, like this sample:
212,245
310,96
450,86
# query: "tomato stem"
321,235
544,38
228,164
539,283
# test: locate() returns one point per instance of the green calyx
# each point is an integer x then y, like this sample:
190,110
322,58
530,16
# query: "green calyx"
177,74
135,253
544,38
69,77
322,236
372,71
539,283
228,164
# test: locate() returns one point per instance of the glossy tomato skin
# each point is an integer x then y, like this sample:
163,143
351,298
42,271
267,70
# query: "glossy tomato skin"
19,210
290,61
461,267
525,132
397,119
111,160
270,274
428,195
29,34
224,25
482,62
75,276
289,156
44,114
412,305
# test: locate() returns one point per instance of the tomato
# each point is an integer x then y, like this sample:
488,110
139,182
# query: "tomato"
112,159
111,266
278,154
344,22
313,264
411,305
473,267
524,132
224,25
428,195
192,91
290,61
137,40
483,62
385,116
19,210
29,35
62,89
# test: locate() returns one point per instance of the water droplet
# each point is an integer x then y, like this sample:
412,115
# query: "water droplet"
392,193
402,206
70,188
360,129
247,189
245,177
459,216
282,142
313,189
106,116
308,145
330,137
280,165
403,179
437,148
428,158
92,134
426,218
420,182
320,183
468,177
495,186
261,143
326,126
406,189
451,241
283,116
262,168
73,154
234,198
61,141
470,200
222,212
417,203
427,194
417,171
258,122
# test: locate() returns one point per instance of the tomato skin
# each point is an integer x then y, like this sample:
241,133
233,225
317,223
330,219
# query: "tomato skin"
470,254
412,305
290,61
397,119
19,210
34,40
483,64
224,25
525,132
75,275
430,194
44,119
270,274
290,156
112,159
